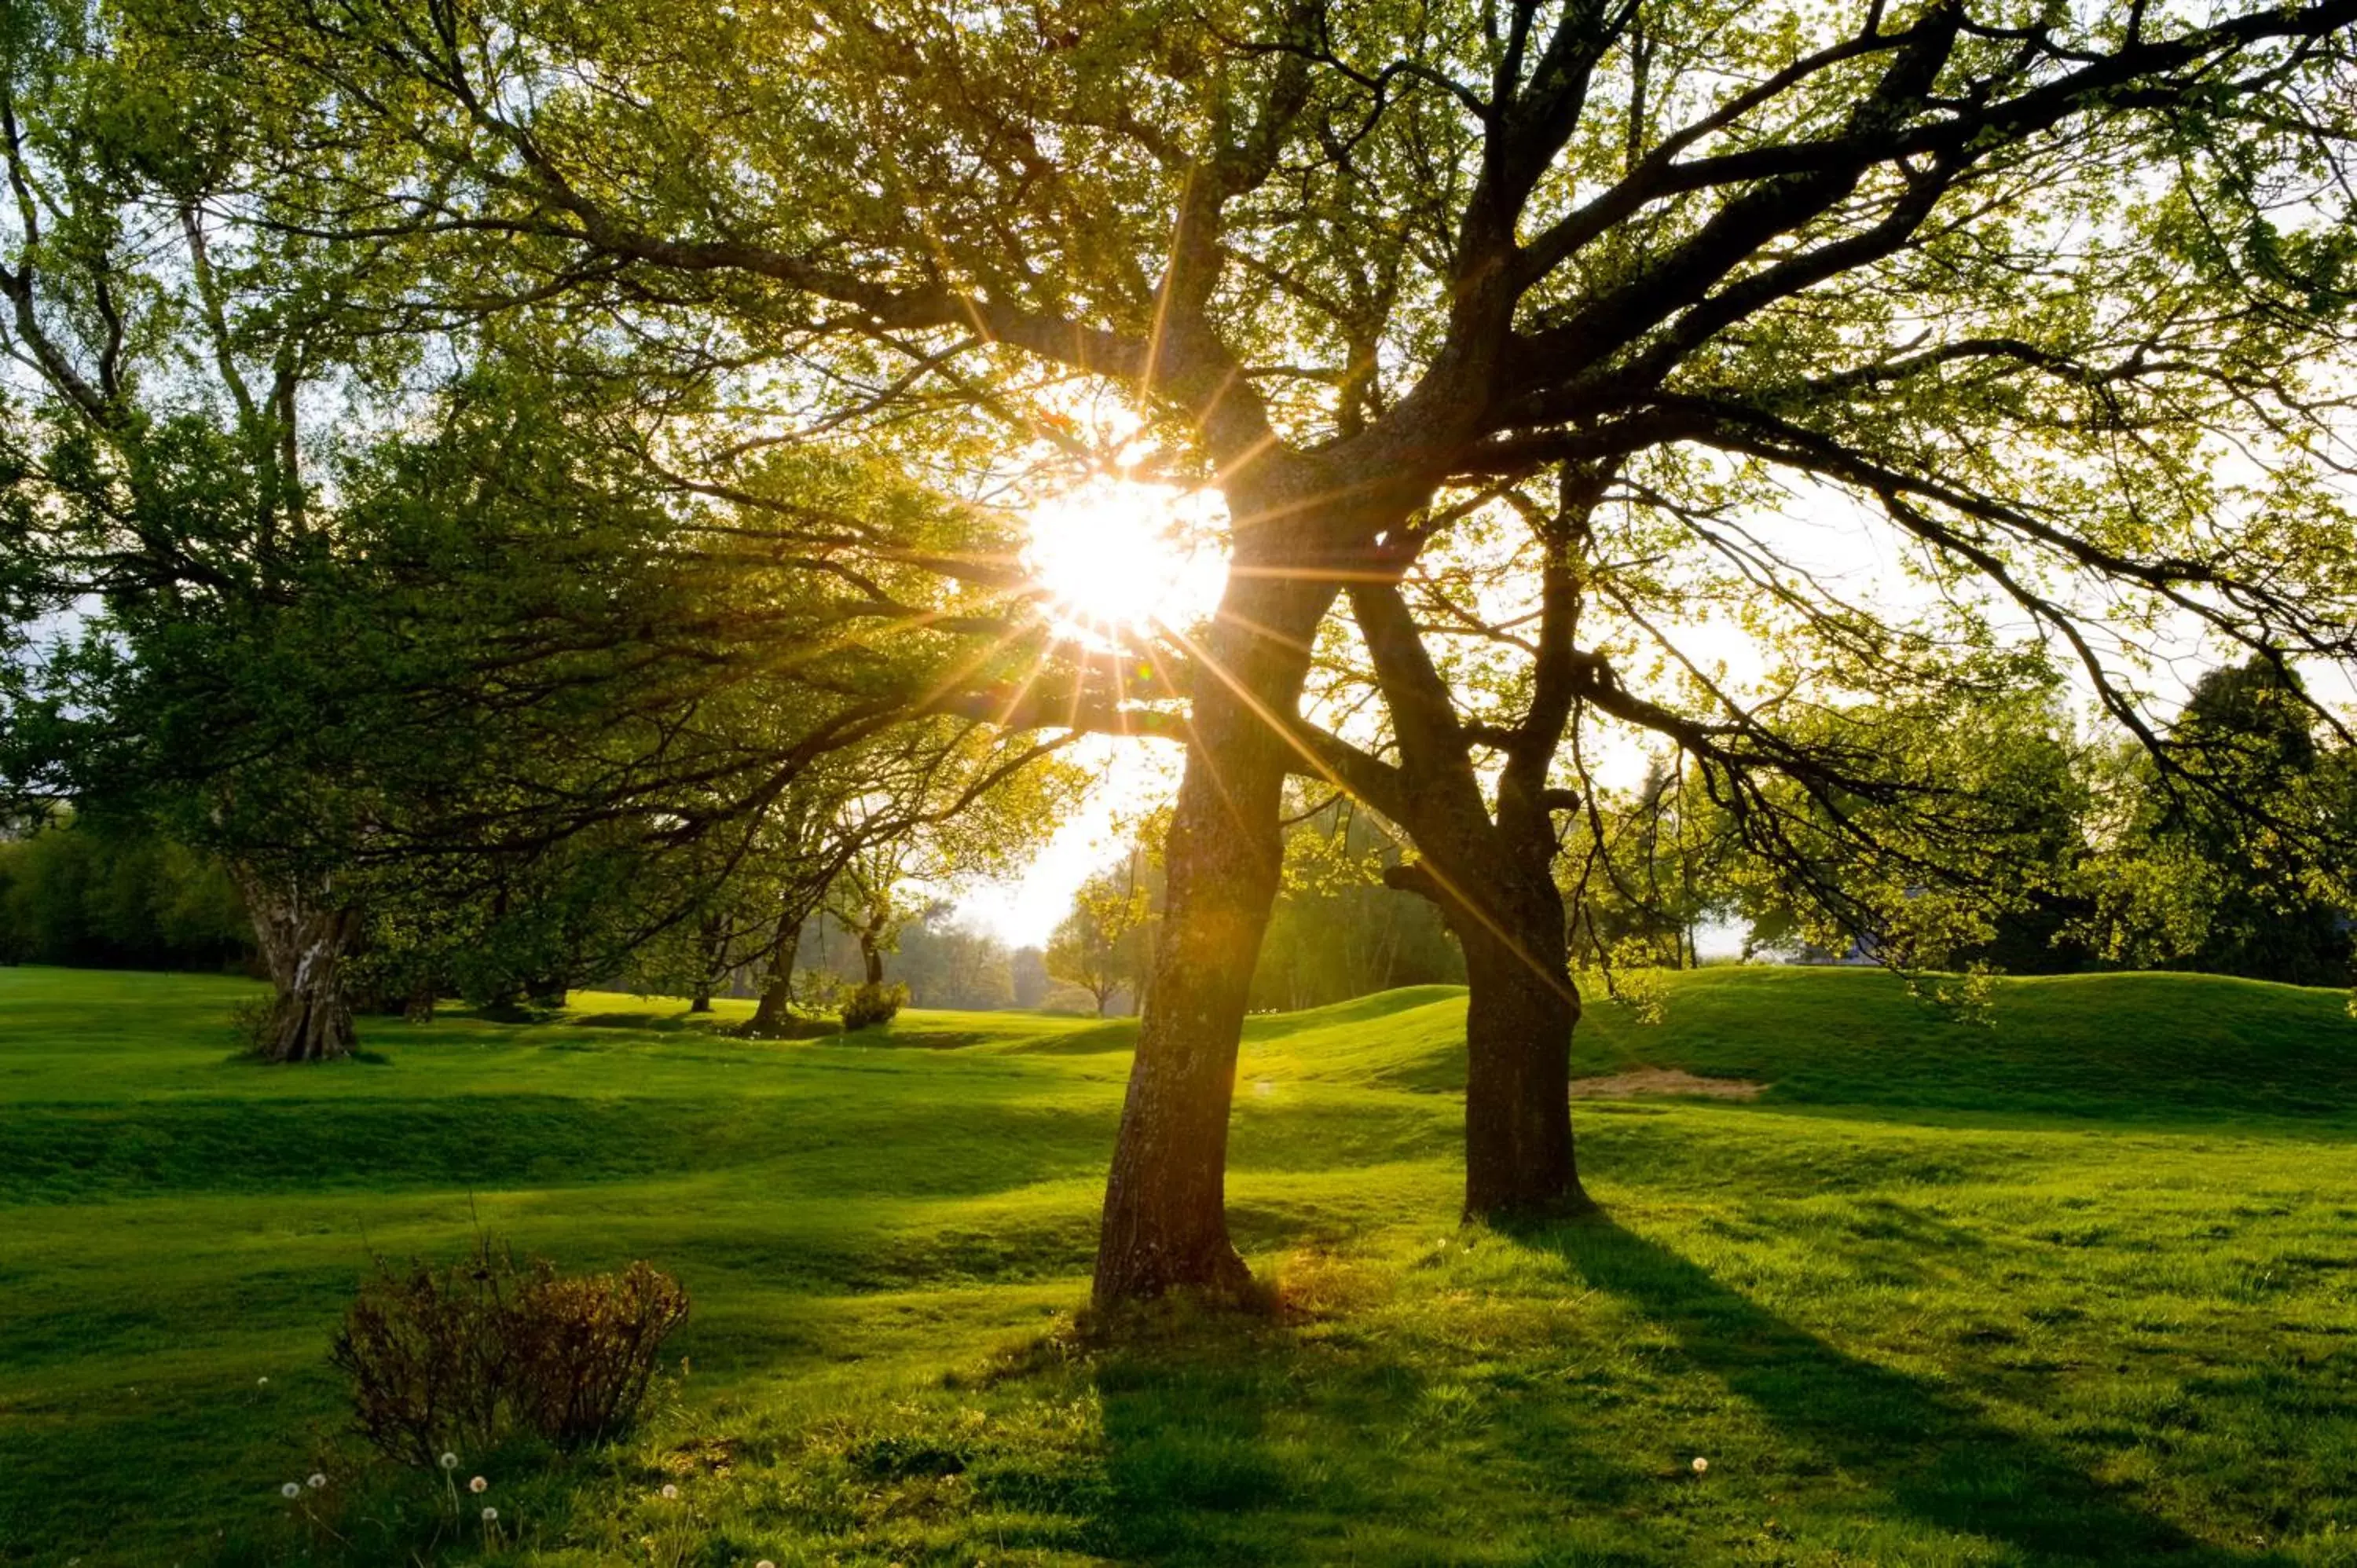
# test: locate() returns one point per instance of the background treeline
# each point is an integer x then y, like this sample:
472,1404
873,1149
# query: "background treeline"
2140,866
118,898
1337,930
1337,933
2199,857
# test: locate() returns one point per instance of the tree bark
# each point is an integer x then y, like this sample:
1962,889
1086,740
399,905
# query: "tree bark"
1165,1210
709,950
1489,869
775,1011
305,936
1521,1010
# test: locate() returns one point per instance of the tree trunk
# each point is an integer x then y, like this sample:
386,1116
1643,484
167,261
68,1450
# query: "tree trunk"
775,1011
1520,1009
1164,1209
871,958
708,949
304,939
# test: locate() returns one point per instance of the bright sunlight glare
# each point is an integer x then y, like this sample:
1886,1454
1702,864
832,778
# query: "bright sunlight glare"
1117,554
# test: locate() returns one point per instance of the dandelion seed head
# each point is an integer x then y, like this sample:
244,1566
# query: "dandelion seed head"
478,1485
317,1480
450,1461
1701,1464
263,1382
291,1489
670,1491
490,1516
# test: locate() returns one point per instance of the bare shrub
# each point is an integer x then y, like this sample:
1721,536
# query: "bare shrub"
460,1357
586,1347
251,1023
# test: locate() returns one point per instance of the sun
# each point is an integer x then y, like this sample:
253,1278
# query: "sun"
1116,556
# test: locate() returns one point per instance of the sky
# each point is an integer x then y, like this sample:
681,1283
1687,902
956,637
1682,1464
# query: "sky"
1137,776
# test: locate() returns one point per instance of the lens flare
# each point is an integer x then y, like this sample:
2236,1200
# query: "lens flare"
1114,555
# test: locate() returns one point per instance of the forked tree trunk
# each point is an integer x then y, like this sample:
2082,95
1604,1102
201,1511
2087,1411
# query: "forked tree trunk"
1164,1215
305,936
1489,869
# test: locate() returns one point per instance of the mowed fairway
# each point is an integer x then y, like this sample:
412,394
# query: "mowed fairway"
2078,1286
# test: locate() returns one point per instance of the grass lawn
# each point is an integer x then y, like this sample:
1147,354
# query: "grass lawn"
2080,1286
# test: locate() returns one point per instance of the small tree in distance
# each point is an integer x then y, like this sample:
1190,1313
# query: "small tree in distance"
1102,946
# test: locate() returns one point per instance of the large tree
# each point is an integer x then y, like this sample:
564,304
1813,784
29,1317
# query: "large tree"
162,474
1355,264
386,605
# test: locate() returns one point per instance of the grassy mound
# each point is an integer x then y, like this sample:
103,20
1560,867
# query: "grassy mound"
2120,1047
2073,1287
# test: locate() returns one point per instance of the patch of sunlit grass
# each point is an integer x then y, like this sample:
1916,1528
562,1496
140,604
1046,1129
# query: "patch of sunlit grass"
2070,1288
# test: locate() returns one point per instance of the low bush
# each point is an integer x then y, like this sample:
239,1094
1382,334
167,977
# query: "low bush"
462,1358
873,1005
253,1022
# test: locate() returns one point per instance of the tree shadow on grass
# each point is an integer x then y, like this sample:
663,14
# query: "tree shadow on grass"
246,1056
1231,1440
649,1022
1937,1460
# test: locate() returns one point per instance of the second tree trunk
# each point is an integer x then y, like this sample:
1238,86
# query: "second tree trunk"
1521,1010
304,938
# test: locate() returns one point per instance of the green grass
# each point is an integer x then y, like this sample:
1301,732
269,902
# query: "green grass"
2080,1286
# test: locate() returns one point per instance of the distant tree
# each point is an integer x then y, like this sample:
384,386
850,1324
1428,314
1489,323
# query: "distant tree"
1097,946
947,962
2213,863
862,839
1027,976
924,817
1338,930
